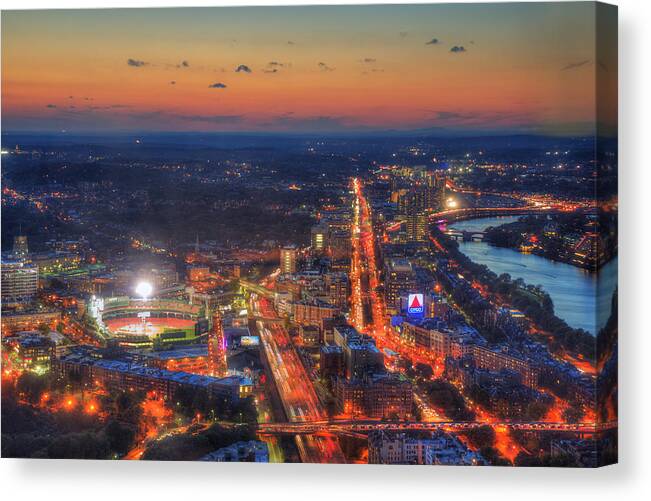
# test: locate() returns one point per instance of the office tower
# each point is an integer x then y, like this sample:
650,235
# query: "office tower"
19,282
20,248
288,259
417,226
400,278
319,237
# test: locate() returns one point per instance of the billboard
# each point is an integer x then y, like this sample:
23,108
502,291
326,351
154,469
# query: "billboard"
415,304
249,341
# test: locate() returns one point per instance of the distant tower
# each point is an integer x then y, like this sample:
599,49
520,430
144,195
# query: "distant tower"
288,259
217,347
20,249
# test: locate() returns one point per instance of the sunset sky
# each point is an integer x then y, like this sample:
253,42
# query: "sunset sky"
527,68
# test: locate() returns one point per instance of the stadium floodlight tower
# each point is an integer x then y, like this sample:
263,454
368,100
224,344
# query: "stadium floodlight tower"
144,290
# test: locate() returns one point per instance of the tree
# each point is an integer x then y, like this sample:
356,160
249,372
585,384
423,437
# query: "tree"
481,437
32,386
573,414
120,436
424,371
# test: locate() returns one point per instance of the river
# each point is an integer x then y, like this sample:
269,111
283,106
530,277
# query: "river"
579,297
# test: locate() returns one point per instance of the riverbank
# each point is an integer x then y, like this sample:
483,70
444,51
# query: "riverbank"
580,298
566,238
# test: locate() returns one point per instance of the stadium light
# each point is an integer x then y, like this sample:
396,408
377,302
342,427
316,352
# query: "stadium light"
144,289
451,203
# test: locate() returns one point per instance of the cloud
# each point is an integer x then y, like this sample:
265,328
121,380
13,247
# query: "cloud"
212,119
452,115
368,60
172,82
136,63
289,42
316,123
458,48
274,67
108,107
325,67
451,118
51,106
574,65
433,41
165,115
403,34
243,68
184,64
217,85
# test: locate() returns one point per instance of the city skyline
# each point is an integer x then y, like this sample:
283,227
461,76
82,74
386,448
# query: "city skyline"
350,235
444,69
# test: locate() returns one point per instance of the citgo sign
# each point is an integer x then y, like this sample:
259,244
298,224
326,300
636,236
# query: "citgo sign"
415,304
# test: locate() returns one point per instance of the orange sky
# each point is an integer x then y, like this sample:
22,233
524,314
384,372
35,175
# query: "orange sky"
523,67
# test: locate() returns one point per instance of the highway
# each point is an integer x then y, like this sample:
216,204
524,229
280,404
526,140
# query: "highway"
295,388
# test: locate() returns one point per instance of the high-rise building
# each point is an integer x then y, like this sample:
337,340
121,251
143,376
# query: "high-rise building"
319,238
19,282
20,249
361,355
417,226
336,289
400,278
288,259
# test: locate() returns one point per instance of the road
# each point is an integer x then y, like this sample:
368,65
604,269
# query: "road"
294,386
364,238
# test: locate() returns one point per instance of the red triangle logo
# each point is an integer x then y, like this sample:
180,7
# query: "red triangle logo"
415,303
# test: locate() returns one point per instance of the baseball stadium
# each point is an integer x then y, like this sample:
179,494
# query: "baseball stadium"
143,322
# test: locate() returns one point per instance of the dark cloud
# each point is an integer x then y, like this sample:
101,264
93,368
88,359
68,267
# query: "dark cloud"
52,106
574,65
243,68
451,115
458,48
136,63
172,82
108,107
165,115
450,118
319,122
274,66
217,85
184,64
369,60
403,34
325,67
289,42
212,119
433,41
